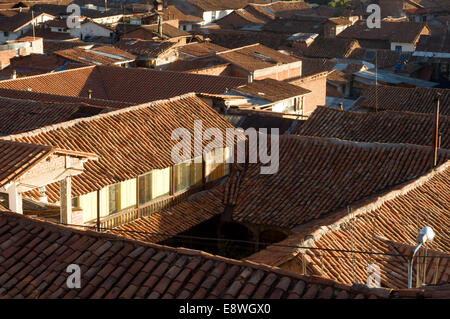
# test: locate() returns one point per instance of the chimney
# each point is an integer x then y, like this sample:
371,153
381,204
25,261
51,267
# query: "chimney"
14,75
250,78
160,30
341,106
90,93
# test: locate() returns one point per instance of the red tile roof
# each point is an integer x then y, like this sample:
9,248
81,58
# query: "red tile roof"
317,176
149,48
383,58
214,5
17,158
405,31
52,46
17,116
381,127
311,66
47,34
169,222
35,255
97,55
388,224
172,12
17,21
135,85
124,154
418,100
271,90
328,48
168,31
35,96
198,49
256,56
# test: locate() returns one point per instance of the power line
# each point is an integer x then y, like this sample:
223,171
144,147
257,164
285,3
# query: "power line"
249,242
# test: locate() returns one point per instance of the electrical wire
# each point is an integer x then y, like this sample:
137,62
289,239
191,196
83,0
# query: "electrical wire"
155,234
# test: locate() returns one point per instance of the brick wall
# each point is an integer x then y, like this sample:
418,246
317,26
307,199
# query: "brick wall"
5,57
224,70
317,84
281,75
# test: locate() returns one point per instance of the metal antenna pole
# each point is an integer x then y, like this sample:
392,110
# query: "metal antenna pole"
410,267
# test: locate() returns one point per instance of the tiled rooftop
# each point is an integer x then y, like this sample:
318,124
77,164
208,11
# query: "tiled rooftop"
405,32
35,255
418,100
214,5
257,56
17,158
381,127
318,176
17,116
168,31
329,48
53,98
97,55
149,149
271,90
387,225
139,47
198,49
134,85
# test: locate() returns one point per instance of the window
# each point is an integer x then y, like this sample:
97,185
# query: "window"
183,175
6,33
76,202
161,182
145,194
214,164
398,48
188,174
88,203
197,171
213,15
128,194
113,198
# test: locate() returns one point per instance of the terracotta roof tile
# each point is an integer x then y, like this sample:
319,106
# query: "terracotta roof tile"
98,55
211,5
386,225
168,31
353,172
271,90
172,12
365,169
254,57
198,49
406,32
329,48
381,127
17,116
135,85
141,47
52,98
238,38
418,100
17,158
155,125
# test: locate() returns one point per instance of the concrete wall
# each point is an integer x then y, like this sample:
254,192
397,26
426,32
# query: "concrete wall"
90,29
